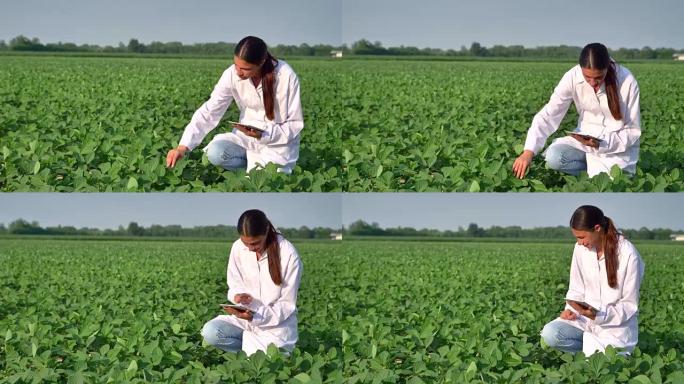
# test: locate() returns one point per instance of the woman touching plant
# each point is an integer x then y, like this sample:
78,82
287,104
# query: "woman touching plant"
266,91
608,131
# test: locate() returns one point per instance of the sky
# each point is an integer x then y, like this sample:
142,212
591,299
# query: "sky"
528,210
109,210
418,210
430,23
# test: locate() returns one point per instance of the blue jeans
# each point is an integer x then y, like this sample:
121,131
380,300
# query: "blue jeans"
227,155
566,158
562,336
222,335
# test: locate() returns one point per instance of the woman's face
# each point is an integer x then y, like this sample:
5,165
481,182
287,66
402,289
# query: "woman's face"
594,77
246,70
589,239
254,243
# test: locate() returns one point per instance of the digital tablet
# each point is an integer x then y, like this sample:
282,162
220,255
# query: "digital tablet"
247,125
584,305
237,307
583,135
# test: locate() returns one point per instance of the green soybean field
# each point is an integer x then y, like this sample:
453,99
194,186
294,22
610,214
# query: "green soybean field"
106,124
369,312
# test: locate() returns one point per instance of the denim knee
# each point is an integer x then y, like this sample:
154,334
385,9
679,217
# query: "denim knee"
210,333
550,335
227,155
554,157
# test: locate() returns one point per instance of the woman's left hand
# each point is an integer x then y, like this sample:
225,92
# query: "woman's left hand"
247,131
586,312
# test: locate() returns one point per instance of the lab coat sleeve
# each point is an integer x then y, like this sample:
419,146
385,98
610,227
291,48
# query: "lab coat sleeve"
234,276
273,314
621,140
208,116
547,121
576,287
628,306
284,132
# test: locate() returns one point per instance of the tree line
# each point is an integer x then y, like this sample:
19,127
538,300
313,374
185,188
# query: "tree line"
24,227
360,48
357,228
362,228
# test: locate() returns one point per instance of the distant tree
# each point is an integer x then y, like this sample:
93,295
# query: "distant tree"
3,45
23,227
135,46
134,229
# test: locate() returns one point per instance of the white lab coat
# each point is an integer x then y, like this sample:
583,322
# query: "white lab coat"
275,307
620,145
279,144
616,321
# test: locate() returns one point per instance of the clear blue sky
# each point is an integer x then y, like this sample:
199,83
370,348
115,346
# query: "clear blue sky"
453,23
109,210
430,23
418,210
110,22
528,210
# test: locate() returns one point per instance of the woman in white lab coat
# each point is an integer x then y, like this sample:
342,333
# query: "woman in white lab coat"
602,303
264,271
266,91
608,130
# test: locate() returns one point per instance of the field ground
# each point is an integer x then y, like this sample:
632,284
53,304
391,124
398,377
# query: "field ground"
369,312
105,124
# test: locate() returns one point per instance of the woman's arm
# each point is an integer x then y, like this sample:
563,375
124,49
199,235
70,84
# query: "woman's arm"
272,314
234,276
547,121
576,288
284,132
210,113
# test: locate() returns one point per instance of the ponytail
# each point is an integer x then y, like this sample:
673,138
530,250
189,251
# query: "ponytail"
610,243
273,251
612,92
268,83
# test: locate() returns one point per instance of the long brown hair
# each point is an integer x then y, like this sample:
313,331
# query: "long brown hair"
254,223
586,218
596,56
254,51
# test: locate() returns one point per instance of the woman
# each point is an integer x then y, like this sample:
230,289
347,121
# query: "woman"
266,91
602,303
606,96
264,271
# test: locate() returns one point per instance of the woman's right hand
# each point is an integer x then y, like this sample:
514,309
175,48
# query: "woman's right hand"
174,155
568,315
522,163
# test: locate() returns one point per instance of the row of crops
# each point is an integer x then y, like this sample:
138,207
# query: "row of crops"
105,124
369,311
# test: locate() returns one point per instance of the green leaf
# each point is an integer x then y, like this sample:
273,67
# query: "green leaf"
303,378
36,167
132,183
132,367
641,379
474,186
176,328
